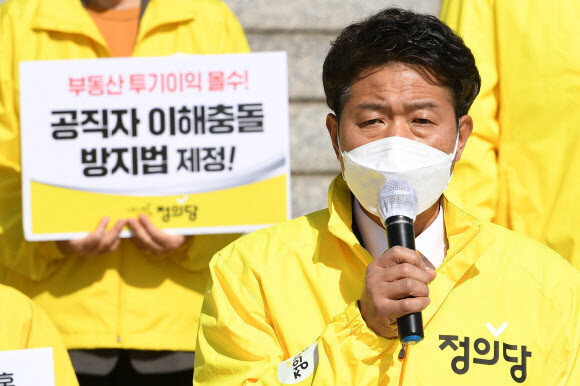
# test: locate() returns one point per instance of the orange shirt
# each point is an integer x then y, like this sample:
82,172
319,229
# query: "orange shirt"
118,27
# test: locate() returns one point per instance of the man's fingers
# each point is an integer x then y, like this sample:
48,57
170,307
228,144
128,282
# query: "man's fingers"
406,287
410,305
168,242
399,255
114,246
118,228
157,235
396,284
102,225
423,258
406,270
111,237
142,238
88,246
432,273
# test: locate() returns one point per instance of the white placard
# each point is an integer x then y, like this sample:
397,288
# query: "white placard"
31,367
158,134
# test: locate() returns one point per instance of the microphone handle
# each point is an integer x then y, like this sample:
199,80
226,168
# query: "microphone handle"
400,232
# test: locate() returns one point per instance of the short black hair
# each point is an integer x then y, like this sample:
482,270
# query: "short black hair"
394,35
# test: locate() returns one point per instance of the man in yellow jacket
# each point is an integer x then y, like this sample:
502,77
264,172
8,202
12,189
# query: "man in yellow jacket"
25,326
521,167
119,304
315,300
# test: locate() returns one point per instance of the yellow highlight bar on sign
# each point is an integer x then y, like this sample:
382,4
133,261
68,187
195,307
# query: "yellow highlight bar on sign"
62,210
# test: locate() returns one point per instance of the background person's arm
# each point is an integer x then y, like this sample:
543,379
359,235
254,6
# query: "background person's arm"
44,334
28,327
33,260
233,39
476,176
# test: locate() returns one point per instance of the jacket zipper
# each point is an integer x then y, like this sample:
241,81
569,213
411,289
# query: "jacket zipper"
402,352
403,359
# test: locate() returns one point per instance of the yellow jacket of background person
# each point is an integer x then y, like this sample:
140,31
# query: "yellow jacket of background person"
121,299
24,325
521,166
281,308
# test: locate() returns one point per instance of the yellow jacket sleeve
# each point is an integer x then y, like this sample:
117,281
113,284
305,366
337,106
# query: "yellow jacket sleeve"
44,334
563,366
28,327
237,343
476,176
33,260
198,250
234,39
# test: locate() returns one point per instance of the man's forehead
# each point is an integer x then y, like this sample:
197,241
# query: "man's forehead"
408,72
375,83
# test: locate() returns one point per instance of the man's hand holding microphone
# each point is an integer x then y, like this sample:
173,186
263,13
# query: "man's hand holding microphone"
396,284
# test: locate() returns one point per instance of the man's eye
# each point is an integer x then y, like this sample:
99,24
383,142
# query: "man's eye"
372,122
421,121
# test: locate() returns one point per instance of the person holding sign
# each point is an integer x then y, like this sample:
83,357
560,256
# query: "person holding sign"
25,326
314,300
126,309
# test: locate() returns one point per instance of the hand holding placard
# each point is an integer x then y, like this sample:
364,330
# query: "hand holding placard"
151,240
96,243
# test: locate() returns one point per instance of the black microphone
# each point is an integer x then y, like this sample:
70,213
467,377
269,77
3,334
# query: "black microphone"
397,203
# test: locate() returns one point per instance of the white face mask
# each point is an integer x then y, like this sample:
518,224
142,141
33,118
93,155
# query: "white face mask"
368,167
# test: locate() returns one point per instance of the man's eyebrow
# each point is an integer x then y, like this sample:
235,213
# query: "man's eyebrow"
421,105
418,105
374,106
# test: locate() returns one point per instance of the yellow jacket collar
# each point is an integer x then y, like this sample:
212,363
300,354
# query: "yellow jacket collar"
69,16
340,221
461,229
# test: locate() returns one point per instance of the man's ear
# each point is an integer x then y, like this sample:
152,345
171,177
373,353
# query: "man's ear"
465,129
332,126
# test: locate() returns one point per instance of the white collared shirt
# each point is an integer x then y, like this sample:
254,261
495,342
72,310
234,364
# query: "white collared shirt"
431,242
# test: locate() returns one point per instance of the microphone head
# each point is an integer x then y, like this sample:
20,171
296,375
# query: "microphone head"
397,198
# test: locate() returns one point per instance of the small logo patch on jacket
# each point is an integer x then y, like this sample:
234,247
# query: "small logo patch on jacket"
300,366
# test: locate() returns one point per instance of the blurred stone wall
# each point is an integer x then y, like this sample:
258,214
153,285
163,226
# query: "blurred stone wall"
304,29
